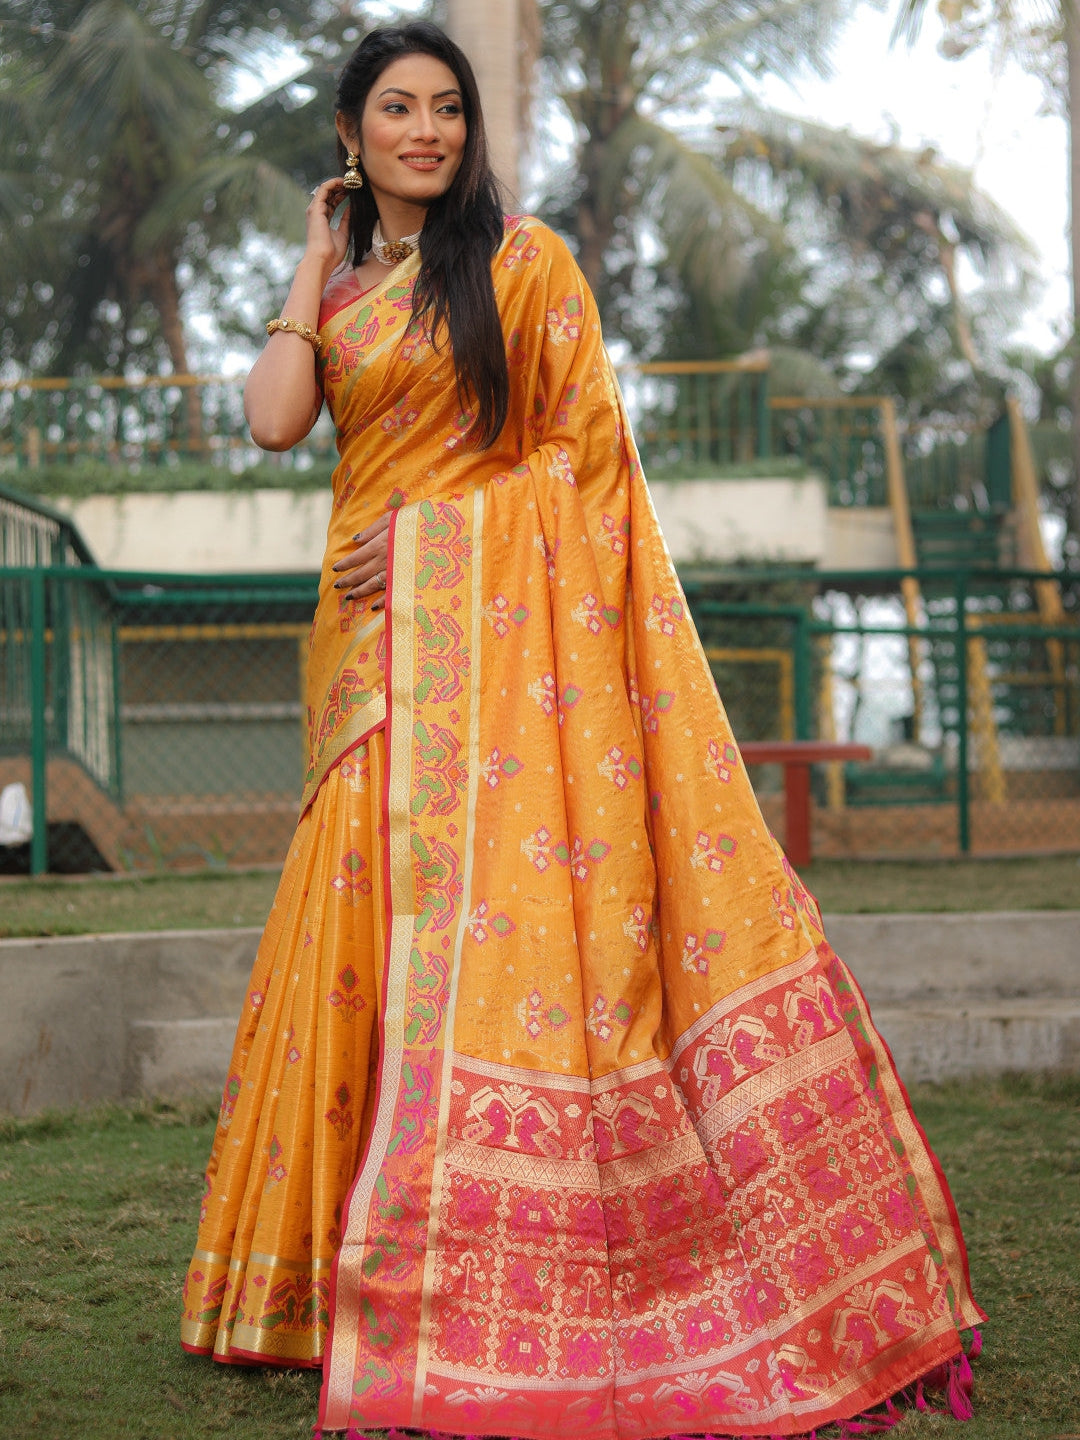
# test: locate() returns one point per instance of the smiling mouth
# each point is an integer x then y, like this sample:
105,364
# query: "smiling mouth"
422,162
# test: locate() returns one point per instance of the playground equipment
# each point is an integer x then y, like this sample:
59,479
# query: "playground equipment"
962,509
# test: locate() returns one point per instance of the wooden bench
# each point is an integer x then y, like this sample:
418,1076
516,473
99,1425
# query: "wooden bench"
796,756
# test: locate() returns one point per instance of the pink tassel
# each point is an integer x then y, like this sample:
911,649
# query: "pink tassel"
959,1389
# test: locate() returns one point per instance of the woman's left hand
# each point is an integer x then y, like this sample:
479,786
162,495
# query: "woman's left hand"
363,571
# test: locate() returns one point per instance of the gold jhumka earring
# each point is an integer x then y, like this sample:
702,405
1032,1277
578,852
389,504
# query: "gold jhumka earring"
352,180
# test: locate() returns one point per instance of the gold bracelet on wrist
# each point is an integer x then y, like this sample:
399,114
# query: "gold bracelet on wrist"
297,327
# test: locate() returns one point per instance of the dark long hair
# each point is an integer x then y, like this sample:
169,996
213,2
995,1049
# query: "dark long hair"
462,229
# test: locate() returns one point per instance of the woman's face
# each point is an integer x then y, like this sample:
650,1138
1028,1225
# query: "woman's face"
412,135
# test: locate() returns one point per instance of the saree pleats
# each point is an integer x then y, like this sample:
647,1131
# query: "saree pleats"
293,1117
633,1160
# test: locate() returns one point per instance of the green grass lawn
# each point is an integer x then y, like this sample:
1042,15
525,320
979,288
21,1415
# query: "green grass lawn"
97,1219
99,904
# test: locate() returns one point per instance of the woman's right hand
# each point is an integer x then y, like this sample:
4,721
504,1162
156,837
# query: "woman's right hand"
282,397
362,572
325,242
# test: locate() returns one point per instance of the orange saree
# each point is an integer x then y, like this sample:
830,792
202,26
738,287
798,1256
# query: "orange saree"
552,1111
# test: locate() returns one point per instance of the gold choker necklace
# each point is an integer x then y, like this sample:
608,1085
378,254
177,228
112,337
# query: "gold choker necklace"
393,252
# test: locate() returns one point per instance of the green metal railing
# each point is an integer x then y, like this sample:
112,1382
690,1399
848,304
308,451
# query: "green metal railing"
704,414
35,534
972,471
688,417
136,423
177,699
842,439
684,413
59,671
58,661
164,714
1000,731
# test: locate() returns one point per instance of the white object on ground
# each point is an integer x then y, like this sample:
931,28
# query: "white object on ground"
16,816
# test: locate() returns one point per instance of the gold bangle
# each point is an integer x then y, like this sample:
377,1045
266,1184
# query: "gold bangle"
297,327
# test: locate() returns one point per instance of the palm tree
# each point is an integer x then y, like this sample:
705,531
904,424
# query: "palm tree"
735,214
626,72
141,167
1044,37
896,226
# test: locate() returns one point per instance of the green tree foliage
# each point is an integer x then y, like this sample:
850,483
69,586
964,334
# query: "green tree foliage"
885,235
843,257
629,75
1043,36
134,184
124,163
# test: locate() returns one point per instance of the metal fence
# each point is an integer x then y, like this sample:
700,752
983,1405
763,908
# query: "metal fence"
114,421
972,712
157,721
843,439
700,413
690,418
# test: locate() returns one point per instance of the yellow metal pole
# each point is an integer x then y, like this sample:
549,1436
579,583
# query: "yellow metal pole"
905,544
1033,556
981,702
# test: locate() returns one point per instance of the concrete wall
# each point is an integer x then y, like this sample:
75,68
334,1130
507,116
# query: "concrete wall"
860,538
197,531
103,1017
81,1019
782,519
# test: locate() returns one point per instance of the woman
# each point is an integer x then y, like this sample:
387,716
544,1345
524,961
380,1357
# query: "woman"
551,1112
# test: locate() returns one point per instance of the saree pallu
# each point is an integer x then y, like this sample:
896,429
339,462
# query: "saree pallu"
628,1156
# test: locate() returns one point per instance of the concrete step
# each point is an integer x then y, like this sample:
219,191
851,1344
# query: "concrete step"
173,1058
932,1043
68,1005
100,1017
912,959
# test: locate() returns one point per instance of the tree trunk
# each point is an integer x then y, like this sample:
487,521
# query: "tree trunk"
595,222
166,294
488,32
1071,16
961,326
